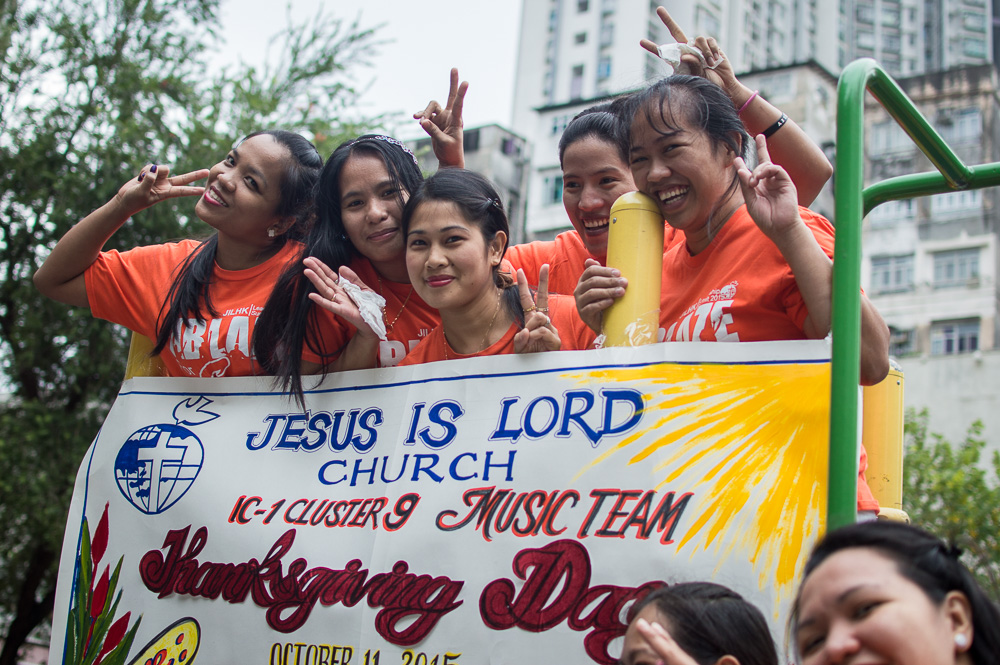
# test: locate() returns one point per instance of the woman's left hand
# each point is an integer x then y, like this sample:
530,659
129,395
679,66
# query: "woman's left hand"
665,647
538,333
769,194
330,295
444,125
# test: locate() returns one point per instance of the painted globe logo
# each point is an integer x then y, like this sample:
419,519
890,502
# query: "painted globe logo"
157,465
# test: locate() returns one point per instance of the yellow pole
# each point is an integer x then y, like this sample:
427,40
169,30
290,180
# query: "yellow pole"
140,363
882,435
635,247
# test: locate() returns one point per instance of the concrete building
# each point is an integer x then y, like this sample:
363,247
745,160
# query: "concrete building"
931,264
500,155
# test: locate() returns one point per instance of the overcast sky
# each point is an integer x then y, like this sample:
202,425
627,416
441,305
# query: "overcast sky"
425,40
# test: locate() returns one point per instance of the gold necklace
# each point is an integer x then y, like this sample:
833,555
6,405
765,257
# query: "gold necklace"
483,344
381,292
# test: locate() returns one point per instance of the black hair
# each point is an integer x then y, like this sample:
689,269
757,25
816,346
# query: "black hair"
288,324
709,621
925,560
603,122
704,105
477,199
191,287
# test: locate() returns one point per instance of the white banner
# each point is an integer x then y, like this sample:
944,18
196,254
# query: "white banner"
498,510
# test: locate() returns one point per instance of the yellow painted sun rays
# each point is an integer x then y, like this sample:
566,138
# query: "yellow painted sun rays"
750,442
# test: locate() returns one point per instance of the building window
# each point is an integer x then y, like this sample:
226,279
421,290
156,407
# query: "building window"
582,5
470,140
957,202
607,31
866,13
576,83
890,16
604,68
950,337
889,137
891,212
580,38
559,123
553,190
866,39
510,146
892,274
974,48
974,21
958,267
901,342
960,126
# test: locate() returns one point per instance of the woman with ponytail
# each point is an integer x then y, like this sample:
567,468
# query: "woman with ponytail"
456,235
198,299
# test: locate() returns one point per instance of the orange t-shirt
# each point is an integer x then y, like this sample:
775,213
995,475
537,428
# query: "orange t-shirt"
573,333
565,255
130,288
408,320
741,289
738,289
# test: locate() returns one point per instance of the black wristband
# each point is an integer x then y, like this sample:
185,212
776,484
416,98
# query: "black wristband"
778,124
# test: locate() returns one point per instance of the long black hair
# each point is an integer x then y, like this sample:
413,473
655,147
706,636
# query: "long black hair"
288,324
925,560
191,288
704,105
709,621
479,202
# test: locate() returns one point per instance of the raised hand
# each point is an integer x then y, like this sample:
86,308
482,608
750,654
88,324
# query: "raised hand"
154,184
769,194
663,644
597,290
331,295
444,125
716,68
538,333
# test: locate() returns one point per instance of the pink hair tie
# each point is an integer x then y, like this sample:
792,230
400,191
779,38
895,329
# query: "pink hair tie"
747,103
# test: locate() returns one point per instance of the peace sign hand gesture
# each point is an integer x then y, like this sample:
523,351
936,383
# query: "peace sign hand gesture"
444,125
538,333
716,67
153,185
769,194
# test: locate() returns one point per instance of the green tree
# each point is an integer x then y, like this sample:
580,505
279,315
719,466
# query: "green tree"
950,491
89,92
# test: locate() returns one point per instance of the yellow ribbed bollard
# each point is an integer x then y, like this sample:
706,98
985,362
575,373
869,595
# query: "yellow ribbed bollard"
882,435
635,247
140,363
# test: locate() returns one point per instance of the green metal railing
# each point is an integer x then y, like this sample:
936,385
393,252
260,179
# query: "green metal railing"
852,202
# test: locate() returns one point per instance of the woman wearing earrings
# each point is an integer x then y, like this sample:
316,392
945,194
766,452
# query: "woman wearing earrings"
891,593
360,196
199,300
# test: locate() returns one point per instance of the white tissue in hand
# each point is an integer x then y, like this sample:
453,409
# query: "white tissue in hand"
671,54
370,304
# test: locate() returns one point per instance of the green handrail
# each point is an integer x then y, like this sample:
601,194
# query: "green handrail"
852,202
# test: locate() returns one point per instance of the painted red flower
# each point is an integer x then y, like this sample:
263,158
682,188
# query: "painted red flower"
115,635
99,543
100,594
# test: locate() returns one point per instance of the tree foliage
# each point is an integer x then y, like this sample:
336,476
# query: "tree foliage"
952,492
89,93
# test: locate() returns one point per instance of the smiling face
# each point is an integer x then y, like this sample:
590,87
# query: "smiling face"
449,262
594,176
857,608
371,207
243,192
688,175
